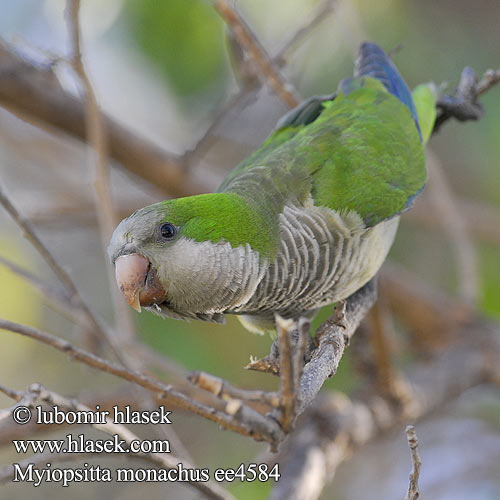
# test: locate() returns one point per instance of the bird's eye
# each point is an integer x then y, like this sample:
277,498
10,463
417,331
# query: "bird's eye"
167,231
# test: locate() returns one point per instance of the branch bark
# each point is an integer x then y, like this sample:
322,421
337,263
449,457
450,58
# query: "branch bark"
37,393
335,425
333,337
267,70
31,91
236,417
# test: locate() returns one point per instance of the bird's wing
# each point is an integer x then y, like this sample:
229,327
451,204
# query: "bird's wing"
362,152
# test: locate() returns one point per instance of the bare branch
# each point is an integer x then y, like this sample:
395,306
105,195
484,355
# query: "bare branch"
333,336
31,91
55,295
248,78
424,309
122,396
38,393
59,301
463,105
288,392
95,131
453,223
106,212
413,492
248,423
63,276
268,364
490,78
321,13
98,163
266,68
303,345
11,393
205,142
224,390
335,425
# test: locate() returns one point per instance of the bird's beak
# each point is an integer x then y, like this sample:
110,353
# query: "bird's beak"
137,281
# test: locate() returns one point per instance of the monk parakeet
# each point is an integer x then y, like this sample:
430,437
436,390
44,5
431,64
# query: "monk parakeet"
304,221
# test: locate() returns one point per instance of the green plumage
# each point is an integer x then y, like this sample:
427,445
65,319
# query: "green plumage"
362,153
304,221
211,217
424,97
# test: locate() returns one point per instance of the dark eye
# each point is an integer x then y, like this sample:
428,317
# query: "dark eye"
167,231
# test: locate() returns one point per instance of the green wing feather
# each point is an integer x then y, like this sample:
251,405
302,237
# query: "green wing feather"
362,153
424,97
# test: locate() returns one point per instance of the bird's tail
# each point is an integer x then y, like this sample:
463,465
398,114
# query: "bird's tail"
373,61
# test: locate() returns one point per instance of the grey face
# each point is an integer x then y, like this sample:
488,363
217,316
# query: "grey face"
139,233
176,276
138,248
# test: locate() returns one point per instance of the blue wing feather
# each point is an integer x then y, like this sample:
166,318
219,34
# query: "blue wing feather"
373,61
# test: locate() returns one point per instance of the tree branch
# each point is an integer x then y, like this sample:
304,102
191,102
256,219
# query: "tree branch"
38,393
321,13
266,68
73,294
463,105
238,418
413,490
31,91
333,336
98,163
454,225
328,433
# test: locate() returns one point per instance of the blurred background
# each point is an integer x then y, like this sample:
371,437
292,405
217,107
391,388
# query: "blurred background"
162,70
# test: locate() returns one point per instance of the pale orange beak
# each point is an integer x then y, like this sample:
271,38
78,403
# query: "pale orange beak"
138,282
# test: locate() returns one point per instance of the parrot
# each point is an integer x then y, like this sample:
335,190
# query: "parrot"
305,221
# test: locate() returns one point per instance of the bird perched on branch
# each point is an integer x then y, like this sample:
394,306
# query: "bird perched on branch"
304,221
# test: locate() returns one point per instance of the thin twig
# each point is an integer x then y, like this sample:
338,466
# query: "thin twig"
335,426
248,423
249,81
453,224
55,295
413,492
464,104
96,133
224,390
288,391
63,276
11,393
107,218
38,393
481,219
30,90
122,396
98,163
490,78
207,139
303,343
266,67
58,300
317,17
389,381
